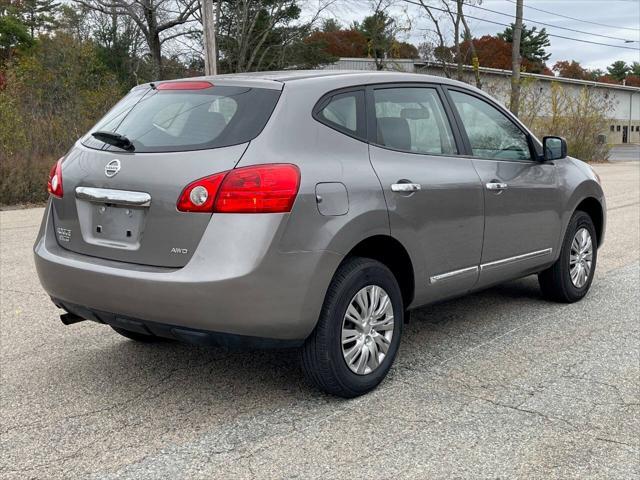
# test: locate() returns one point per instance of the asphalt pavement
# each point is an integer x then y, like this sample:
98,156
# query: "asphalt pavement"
498,384
625,153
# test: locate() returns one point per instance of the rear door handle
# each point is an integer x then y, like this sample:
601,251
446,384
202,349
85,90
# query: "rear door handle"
496,186
405,187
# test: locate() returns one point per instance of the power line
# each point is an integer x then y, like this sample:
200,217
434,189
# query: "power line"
550,24
550,34
577,19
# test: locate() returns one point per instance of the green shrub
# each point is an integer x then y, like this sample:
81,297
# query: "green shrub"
53,95
578,116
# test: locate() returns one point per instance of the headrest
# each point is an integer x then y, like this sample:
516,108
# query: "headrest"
414,113
394,132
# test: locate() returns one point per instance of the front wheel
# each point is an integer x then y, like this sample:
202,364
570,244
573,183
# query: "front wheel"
569,279
358,333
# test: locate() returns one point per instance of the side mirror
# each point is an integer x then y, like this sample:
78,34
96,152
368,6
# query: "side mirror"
554,148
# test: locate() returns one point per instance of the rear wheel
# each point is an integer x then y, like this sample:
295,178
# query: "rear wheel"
357,336
138,337
569,279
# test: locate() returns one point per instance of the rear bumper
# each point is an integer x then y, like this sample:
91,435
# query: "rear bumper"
175,332
236,283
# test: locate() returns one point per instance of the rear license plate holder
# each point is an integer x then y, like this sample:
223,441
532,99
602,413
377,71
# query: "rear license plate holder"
112,225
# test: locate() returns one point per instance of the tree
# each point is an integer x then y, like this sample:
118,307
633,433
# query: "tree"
154,18
633,80
403,50
330,25
595,74
475,61
378,29
459,23
37,15
571,69
608,79
118,42
52,97
265,35
491,51
440,51
74,21
635,68
579,116
14,35
619,70
533,44
340,43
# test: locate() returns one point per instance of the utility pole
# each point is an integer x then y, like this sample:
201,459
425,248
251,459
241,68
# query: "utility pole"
515,60
209,30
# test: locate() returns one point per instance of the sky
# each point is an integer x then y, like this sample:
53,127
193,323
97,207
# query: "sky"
622,18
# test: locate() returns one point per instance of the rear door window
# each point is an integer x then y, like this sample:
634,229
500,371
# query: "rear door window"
344,112
181,120
414,120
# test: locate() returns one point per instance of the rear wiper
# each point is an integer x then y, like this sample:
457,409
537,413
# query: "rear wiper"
114,139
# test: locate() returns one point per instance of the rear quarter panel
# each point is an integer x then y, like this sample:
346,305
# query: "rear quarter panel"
323,154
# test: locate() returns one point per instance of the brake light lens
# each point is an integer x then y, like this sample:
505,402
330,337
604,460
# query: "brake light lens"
185,85
259,189
268,188
54,185
199,196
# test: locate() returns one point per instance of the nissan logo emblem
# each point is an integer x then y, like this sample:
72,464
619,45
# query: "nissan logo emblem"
111,168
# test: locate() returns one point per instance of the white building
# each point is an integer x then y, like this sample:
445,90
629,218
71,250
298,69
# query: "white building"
624,114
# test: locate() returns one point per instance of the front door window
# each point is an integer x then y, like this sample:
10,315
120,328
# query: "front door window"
491,133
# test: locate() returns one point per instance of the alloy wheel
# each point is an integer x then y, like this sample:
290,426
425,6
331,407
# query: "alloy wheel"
367,329
581,257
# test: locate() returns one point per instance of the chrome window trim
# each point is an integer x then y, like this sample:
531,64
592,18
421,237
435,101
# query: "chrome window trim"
116,197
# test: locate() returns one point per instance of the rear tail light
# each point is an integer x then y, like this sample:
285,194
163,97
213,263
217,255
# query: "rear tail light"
54,185
270,188
259,189
200,195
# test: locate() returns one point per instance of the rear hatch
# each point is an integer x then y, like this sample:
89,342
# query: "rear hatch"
120,186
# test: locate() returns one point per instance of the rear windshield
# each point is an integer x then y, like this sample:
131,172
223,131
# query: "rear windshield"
180,120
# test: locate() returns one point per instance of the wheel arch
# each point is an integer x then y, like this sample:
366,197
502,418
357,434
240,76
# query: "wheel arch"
592,207
391,253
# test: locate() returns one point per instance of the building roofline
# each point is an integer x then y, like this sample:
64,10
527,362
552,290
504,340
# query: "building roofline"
548,78
499,71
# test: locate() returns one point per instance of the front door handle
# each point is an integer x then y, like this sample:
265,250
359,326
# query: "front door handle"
496,186
405,187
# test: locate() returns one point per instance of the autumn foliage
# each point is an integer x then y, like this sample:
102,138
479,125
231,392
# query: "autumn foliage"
494,52
340,43
633,80
571,69
353,44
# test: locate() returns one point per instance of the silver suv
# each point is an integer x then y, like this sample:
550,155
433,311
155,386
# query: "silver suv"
310,209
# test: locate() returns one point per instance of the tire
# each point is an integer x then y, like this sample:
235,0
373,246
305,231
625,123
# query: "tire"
138,337
556,282
324,355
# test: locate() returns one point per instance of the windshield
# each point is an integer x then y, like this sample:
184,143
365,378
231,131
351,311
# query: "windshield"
180,120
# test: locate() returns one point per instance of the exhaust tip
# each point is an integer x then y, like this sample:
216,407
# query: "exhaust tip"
70,318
